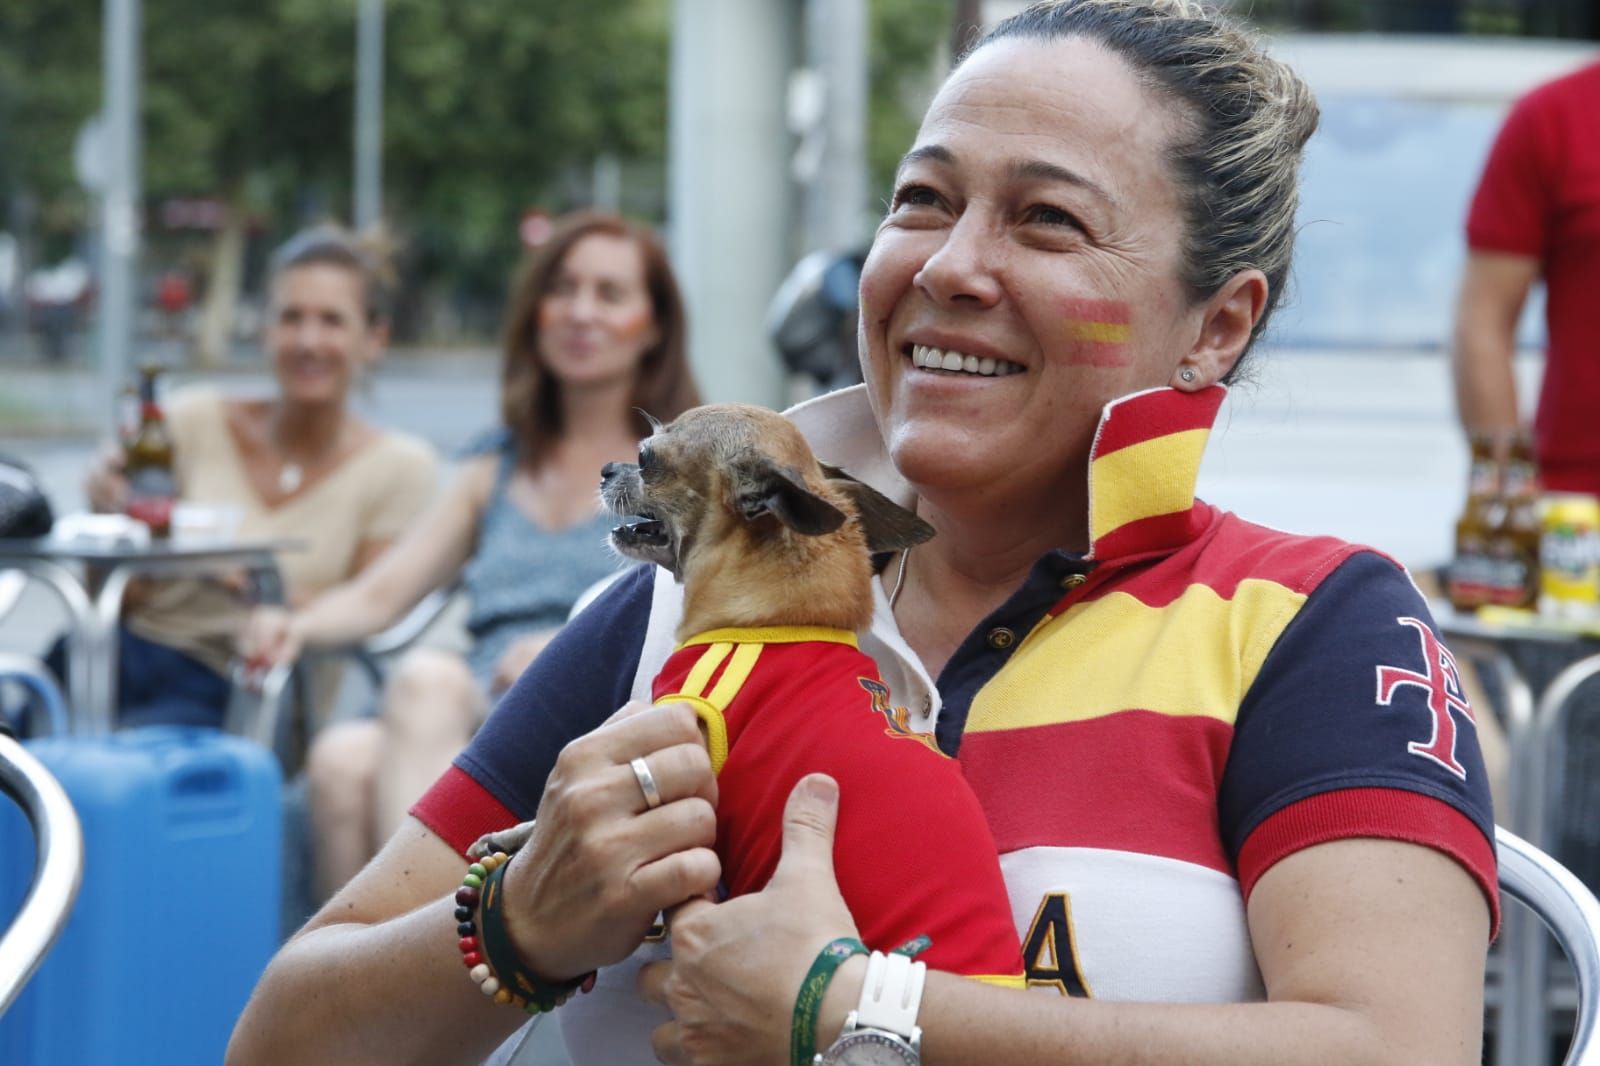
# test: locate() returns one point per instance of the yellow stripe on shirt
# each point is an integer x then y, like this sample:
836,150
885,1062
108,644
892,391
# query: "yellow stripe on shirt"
1197,655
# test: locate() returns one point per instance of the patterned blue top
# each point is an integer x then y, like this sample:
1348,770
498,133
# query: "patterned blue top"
523,577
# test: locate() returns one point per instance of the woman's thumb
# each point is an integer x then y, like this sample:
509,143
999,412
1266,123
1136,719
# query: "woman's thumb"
808,823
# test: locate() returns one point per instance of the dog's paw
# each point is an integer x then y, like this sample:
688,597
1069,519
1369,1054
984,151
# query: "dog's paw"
506,840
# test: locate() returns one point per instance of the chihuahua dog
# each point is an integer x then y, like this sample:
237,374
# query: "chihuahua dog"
774,552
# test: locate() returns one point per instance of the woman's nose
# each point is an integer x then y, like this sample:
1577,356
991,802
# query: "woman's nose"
961,270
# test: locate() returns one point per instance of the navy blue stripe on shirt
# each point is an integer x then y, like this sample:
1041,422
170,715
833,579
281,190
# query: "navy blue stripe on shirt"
583,675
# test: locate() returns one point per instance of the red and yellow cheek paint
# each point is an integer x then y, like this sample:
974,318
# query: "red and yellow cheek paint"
1097,332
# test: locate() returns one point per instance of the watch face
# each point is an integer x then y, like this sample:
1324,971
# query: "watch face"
871,1047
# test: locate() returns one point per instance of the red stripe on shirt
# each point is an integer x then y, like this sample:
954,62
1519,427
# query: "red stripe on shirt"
1385,813
1146,416
1147,783
1233,551
460,810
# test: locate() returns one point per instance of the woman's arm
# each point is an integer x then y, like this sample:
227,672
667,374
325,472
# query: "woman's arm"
376,975
428,556
1371,951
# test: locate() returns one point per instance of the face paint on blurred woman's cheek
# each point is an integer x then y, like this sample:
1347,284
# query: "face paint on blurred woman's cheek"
549,314
1096,332
635,325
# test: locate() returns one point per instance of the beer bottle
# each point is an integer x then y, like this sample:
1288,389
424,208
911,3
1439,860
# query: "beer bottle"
1469,582
1514,545
152,484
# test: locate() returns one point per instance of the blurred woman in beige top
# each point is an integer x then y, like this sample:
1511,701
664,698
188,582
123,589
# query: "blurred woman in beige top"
298,465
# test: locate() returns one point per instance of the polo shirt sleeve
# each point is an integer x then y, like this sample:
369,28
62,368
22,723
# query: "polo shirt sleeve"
1357,726
582,676
1514,204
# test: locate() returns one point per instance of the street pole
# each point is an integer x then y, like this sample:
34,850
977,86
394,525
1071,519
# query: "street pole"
120,222
368,208
730,210
836,190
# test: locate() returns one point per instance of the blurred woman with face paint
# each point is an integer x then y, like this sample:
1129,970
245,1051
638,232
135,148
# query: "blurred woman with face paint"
298,463
594,345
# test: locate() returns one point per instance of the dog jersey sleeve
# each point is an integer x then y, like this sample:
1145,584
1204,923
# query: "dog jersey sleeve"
581,677
1357,726
912,850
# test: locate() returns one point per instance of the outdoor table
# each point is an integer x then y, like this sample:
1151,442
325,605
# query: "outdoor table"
1535,723
66,567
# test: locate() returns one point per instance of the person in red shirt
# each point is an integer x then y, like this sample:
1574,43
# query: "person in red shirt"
1536,215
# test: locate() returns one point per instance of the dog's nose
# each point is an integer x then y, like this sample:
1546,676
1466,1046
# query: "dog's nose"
609,471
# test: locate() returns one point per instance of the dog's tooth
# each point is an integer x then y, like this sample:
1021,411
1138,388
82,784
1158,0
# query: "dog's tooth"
970,364
952,361
986,365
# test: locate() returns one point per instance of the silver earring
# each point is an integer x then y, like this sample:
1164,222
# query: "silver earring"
1187,374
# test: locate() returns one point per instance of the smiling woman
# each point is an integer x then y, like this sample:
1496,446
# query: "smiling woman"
1219,843
298,464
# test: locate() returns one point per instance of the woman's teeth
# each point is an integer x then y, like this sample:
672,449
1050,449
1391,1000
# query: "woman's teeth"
929,358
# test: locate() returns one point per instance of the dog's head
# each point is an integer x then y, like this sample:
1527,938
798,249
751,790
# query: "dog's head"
723,468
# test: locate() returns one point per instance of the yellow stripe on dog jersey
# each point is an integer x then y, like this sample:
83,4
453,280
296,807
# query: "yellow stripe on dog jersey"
700,675
734,677
1195,656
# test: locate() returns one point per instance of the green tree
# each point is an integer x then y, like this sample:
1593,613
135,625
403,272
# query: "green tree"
488,105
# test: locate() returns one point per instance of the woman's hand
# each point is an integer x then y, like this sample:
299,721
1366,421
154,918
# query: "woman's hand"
737,966
518,656
270,637
600,864
106,485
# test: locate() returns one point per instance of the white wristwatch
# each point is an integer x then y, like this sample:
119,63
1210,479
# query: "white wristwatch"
882,1030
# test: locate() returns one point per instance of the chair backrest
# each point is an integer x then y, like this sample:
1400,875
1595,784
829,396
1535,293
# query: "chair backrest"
57,869
1572,914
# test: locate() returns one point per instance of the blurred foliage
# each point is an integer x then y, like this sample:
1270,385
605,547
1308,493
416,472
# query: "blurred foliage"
488,105
908,57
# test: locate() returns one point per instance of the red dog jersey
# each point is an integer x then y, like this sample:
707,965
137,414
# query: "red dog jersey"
913,852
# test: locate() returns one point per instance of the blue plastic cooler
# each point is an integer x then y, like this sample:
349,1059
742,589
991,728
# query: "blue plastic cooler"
179,910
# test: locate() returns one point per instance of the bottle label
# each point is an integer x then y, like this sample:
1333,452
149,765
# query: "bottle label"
152,492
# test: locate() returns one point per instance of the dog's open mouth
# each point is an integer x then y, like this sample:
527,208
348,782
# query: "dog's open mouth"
645,532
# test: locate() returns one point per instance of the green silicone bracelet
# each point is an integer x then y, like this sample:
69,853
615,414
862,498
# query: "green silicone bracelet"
803,1033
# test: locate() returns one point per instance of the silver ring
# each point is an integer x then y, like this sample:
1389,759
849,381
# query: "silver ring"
647,783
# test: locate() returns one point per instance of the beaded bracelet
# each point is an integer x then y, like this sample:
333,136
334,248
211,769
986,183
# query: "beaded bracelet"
491,960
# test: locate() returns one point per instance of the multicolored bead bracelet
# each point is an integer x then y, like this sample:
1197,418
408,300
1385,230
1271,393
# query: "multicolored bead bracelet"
491,958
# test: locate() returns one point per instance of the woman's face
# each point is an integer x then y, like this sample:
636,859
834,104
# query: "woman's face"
596,322
1033,242
319,336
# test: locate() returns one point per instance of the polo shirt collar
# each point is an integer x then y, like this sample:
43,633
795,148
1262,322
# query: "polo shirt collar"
1142,467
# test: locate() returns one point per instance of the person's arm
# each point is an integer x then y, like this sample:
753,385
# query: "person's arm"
376,975
428,556
1494,288
1371,952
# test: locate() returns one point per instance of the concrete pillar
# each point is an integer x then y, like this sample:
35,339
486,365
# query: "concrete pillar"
731,201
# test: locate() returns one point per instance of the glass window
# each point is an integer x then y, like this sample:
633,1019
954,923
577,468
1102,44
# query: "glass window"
1384,200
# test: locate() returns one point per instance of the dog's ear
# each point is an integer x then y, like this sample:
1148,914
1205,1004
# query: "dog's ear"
888,526
762,487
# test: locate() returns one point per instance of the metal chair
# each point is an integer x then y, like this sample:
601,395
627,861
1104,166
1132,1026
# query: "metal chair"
57,869
1572,914
274,710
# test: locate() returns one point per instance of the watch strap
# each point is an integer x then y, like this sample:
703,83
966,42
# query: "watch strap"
891,994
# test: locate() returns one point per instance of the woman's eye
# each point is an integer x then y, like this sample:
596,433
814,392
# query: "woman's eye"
914,196
1047,215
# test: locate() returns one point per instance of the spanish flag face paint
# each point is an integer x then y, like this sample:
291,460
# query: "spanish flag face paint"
1097,332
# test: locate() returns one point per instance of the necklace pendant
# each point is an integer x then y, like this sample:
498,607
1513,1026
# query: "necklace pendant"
289,478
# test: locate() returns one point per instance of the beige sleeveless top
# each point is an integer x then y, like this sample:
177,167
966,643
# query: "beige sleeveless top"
374,495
